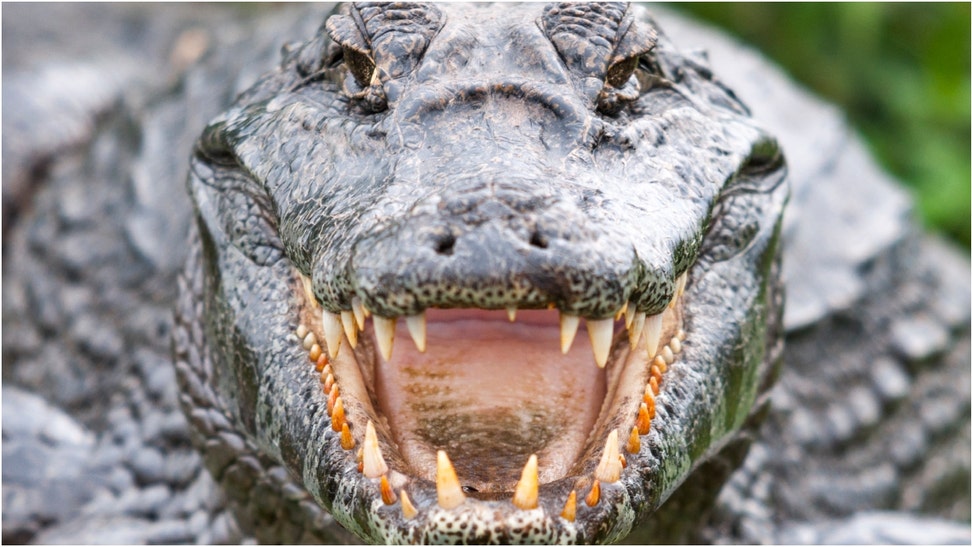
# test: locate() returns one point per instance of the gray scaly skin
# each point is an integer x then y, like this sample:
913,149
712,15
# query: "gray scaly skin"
815,472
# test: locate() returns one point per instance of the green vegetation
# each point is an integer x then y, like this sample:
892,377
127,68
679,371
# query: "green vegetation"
901,71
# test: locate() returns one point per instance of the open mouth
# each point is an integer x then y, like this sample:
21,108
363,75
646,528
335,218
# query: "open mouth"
531,408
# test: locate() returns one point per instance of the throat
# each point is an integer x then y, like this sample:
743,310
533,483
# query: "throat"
490,393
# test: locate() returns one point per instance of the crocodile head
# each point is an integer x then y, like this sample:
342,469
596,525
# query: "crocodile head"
406,224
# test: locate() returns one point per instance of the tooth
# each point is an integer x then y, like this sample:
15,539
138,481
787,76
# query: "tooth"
653,329
332,397
649,400
680,335
385,335
416,327
568,329
644,420
321,362
387,494
601,332
315,353
328,383
374,464
668,355
309,341
675,344
332,332
347,441
570,508
653,384
680,284
359,313
308,290
634,441
659,362
609,469
350,328
302,331
629,315
511,313
337,417
447,483
636,328
527,492
408,510
621,311
594,495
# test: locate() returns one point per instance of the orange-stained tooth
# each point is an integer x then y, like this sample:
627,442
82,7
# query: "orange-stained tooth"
408,510
526,496
655,371
634,441
328,384
570,508
644,420
653,383
347,441
594,495
332,396
325,371
447,483
623,460
650,402
337,418
387,494
374,463
609,468
314,353
321,362
659,362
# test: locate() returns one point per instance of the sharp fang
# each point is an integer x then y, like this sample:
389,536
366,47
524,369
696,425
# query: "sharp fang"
653,331
408,510
332,332
385,335
374,464
601,331
350,328
337,417
416,327
594,495
308,290
527,493
568,329
621,311
609,469
387,494
570,508
511,313
447,483
359,313
636,328
644,419
347,441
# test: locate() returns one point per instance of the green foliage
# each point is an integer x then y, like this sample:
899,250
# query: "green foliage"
900,70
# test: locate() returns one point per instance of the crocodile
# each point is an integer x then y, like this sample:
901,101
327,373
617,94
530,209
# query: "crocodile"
500,179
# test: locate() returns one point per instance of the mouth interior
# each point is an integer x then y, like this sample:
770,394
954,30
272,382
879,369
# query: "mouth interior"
490,392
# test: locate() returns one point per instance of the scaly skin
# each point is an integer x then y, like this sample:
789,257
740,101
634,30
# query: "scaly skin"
92,296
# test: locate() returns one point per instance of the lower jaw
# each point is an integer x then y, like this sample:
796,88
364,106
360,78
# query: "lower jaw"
577,464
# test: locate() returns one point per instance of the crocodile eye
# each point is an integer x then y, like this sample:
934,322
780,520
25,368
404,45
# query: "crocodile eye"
359,65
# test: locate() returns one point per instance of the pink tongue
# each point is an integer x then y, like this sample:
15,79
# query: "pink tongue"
490,393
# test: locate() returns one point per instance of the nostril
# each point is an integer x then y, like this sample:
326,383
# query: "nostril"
445,244
538,240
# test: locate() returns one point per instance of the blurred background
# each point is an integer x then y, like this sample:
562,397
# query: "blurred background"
900,71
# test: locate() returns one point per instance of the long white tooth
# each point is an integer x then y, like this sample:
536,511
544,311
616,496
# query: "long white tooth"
332,332
374,463
308,290
416,327
350,328
653,329
511,313
568,329
359,314
609,468
636,328
385,335
629,315
601,332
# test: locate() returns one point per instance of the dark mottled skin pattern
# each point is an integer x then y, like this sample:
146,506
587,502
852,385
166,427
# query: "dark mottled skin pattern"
867,438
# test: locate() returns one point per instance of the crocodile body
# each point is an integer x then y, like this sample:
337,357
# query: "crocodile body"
867,435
